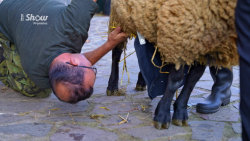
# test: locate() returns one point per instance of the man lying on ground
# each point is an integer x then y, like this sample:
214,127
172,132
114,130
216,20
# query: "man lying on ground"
41,44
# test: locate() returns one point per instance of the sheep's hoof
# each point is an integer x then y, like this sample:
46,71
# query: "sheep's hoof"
140,87
115,93
180,122
161,126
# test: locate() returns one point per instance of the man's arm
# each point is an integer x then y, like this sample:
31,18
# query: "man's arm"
114,38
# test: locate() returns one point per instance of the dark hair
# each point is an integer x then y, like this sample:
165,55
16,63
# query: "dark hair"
72,77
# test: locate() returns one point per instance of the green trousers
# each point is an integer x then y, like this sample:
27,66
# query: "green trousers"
12,73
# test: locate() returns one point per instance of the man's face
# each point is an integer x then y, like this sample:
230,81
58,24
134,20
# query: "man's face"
82,63
79,60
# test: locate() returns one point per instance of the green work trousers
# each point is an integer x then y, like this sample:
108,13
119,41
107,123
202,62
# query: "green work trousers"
12,73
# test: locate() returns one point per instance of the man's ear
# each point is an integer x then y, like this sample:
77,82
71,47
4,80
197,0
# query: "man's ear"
73,62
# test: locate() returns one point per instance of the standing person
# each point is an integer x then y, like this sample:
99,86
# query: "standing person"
242,16
41,43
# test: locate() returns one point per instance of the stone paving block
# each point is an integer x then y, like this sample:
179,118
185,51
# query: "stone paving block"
236,84
114,120
150,133
226,113
193,101
7,92
207,130
124,89
236,79
13,137
114,108
234,98
33,129
206,95
206,76
130,89
237,105
77,133
236,70
237,127
51,98
69,118
59,107
177,140
235,139
10,118
106,99
198,92
21,105
141,95
99,89
206,85
235,91
168,139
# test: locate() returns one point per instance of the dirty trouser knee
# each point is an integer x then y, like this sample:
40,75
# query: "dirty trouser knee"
12,74
156,81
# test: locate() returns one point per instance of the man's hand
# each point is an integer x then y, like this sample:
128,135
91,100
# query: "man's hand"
95,0
116,37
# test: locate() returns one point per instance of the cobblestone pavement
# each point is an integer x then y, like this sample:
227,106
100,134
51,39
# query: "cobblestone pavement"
98,118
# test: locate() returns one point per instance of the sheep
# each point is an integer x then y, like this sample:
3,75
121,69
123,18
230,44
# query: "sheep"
185,32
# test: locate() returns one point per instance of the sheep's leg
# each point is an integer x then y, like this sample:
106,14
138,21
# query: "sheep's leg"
112,88
141,84
162,113
180,115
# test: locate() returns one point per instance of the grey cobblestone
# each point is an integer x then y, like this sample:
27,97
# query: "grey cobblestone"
113,122
149,132
236,105
207,130
113,108
235,139
33,129
76,133
237,127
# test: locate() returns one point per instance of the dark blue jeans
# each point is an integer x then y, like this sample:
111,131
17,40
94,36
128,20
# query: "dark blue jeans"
156,81
106,10
242,16
104,6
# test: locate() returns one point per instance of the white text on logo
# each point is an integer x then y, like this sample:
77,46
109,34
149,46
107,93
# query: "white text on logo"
37,18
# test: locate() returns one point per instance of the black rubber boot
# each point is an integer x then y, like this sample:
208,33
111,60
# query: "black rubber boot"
221,92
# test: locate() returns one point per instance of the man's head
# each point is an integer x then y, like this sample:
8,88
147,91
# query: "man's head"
72,77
